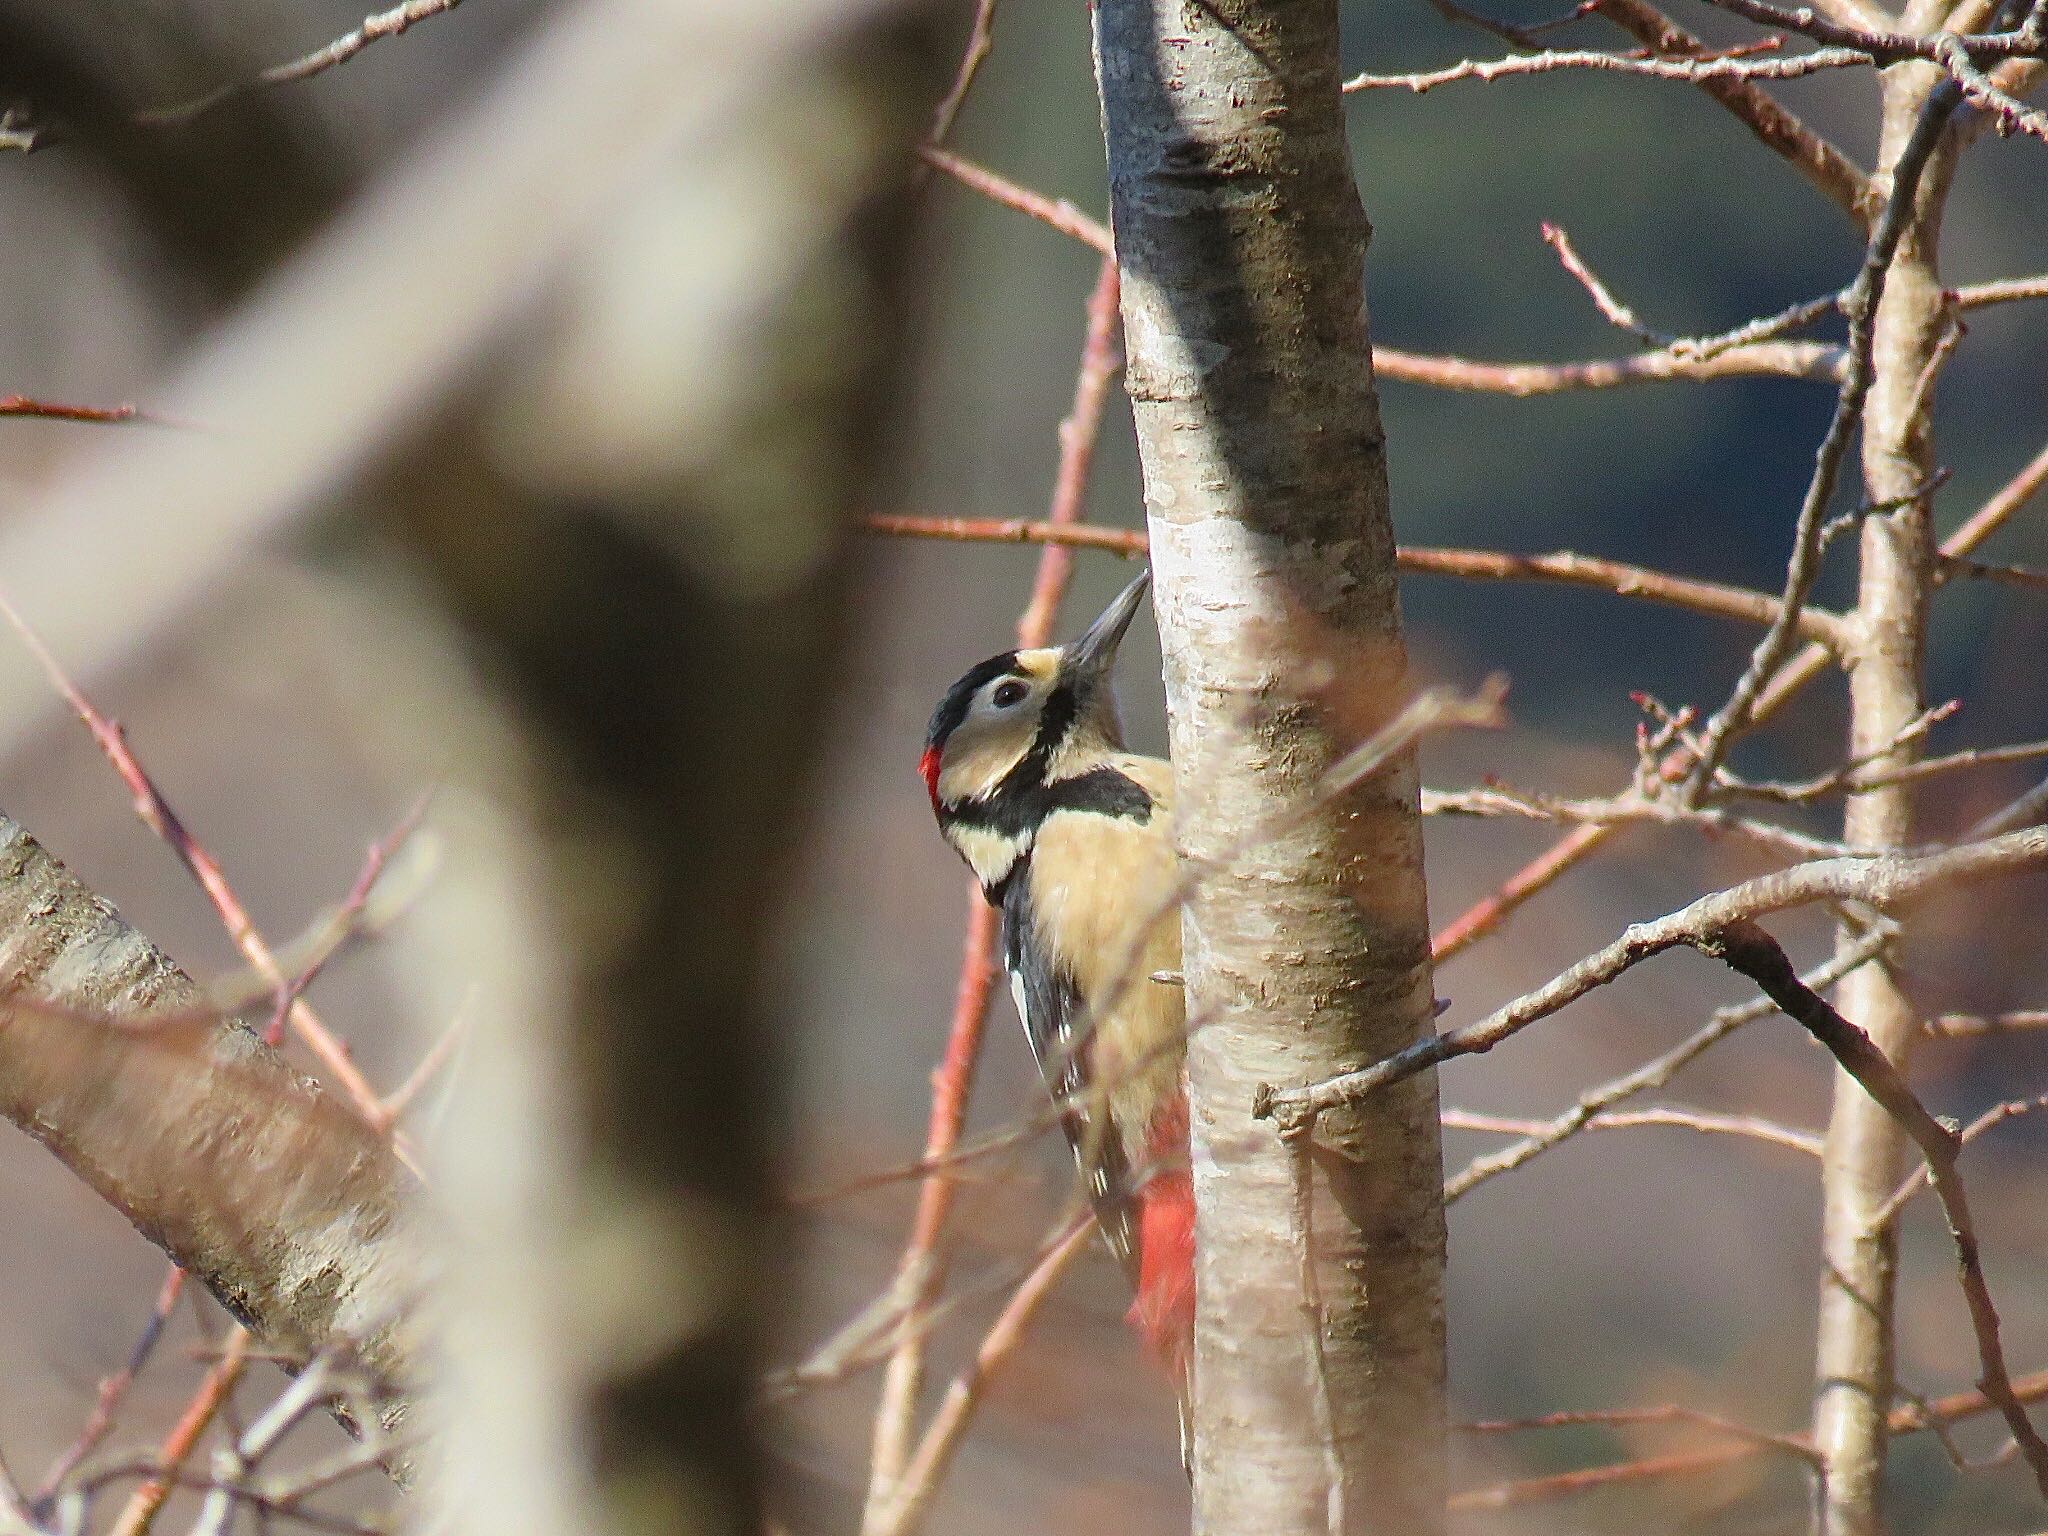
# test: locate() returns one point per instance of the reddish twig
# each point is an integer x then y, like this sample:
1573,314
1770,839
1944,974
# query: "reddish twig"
156,813
1909,1419
1128,542
980,40
1562,566
1837,177
997,188
206,1403
113,1391
1784,359
1080,431
921,1271
1669,1413
349,912
912,1493
52,410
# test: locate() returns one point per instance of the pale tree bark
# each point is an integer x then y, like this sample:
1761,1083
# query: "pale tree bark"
278,1197
1865,1145
1318,1396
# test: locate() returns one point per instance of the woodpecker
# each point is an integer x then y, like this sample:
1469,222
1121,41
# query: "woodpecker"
1070,838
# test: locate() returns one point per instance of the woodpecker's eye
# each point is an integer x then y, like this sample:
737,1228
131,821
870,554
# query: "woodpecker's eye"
1008,694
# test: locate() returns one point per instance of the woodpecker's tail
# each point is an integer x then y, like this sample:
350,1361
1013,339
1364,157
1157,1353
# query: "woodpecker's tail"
1164,1311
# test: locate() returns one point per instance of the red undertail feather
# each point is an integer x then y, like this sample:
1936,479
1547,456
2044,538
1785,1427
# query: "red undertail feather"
1164,1312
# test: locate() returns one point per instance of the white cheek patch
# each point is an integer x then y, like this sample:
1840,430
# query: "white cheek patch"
989,853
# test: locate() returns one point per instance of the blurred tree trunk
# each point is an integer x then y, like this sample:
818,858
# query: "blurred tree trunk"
1242,243
661,591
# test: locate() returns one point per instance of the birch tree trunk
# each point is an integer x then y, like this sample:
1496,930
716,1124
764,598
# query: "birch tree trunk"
1318,1398
1865,1146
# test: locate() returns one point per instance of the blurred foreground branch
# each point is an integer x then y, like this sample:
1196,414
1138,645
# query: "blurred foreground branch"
276,1195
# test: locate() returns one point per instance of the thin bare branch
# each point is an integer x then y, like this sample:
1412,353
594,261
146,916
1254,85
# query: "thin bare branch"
1652,1074
912,1493
1791,1445
373,29
1882,881
1803,568
997,188
1917,1180
1693,70
1886,47
2005,290
1783,359
980,41
52,410
1906,1419
156,813
1758,956
1970,1026
2028,578
140,1512
1826,167
113,1391
1710,597
1629,807
1541,872
1794,360
1662,1116
347,916
1612,310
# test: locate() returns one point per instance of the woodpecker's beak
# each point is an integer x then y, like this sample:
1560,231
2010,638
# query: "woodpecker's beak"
1094,654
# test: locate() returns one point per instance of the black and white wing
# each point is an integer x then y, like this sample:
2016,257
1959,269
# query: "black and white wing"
1054,1019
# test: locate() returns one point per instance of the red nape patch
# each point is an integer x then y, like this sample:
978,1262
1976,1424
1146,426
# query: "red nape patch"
1164,1312
928,768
